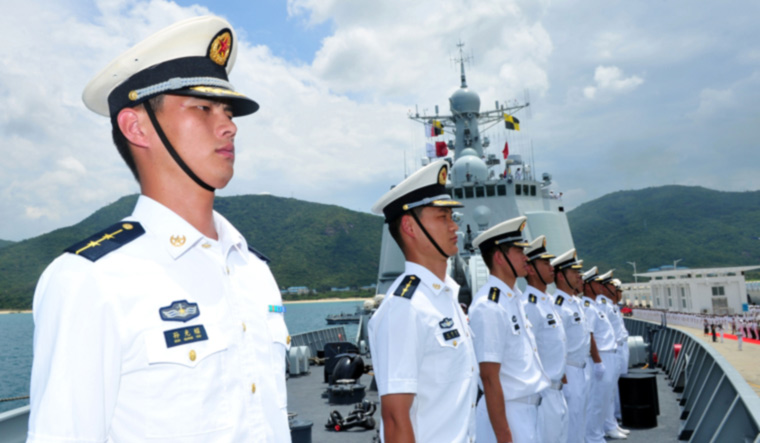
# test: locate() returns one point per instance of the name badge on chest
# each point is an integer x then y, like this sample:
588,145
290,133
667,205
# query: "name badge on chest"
182,336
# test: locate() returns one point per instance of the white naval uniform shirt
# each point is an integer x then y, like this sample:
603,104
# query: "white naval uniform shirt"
605,305
504,335
109,367
576,327
549,331
600,326
421,344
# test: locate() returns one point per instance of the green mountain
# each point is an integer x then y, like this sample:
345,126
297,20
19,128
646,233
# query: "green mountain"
320,246
655,226
4,243
310,244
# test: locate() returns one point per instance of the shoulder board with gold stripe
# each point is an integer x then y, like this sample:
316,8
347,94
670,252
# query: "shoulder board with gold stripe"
258,254
532,298
493,294
107,240
407,287
560,299
586,303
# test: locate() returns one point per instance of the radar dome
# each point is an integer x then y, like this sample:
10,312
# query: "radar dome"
482,216
464,100
469,167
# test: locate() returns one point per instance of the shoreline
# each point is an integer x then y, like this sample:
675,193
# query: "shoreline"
15,311
325,300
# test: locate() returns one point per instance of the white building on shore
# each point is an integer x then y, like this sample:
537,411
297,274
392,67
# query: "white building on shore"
703,291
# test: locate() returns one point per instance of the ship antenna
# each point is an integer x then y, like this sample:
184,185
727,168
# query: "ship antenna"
461,61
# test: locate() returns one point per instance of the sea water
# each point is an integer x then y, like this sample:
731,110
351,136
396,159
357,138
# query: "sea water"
17,332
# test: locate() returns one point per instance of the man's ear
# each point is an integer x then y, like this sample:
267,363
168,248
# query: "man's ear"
130,123
408,225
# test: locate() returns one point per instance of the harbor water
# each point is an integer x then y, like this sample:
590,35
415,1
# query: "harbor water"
17,333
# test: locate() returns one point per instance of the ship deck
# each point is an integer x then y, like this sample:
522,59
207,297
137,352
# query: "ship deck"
305,398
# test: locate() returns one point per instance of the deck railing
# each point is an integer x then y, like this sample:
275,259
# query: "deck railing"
717,404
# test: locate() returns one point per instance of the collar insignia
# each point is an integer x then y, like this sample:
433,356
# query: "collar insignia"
446,323
181,310
436,286
177,240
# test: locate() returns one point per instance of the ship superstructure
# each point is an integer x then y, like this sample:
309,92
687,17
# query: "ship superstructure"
493,190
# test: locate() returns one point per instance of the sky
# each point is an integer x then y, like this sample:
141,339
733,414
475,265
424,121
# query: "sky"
623,95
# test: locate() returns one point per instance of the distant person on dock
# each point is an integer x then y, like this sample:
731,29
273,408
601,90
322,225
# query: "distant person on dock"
740,335
166,326
512,377
422,349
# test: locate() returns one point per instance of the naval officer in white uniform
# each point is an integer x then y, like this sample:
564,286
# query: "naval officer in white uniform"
421,343
602,384
567,278
510,369
550,339
164,327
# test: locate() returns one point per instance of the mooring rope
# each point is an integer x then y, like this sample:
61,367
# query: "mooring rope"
14,398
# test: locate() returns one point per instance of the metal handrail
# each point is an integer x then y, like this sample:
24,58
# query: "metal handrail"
717,403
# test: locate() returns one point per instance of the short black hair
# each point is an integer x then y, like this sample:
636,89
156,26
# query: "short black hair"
121,142
487,255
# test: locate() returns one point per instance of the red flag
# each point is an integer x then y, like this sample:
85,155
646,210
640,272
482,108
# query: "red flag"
441,150
506,150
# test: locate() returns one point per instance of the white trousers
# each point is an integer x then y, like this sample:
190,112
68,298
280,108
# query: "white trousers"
552,416
600,399
576,396
521,417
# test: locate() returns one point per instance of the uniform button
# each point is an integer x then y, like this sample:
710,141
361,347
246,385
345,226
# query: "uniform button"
287,340
228,270
455,343
192,355
253,388
244,327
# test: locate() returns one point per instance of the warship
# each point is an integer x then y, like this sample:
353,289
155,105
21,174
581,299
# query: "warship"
493,189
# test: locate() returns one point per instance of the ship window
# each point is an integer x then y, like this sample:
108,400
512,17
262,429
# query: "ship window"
518,190
490,190
718,291
468,192
525,189
502,190
480,191
533,190
458,193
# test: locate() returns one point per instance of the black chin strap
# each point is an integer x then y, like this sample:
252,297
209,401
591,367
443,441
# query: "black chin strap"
533,263
428,235
567,280
172,152
504,254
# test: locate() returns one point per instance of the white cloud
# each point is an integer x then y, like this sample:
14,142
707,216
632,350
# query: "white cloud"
713,101
610,79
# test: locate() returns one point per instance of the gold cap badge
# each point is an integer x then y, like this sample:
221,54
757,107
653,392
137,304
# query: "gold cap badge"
221,47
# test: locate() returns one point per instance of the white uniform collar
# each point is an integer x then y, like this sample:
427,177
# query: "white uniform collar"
429,279
177,235
541,295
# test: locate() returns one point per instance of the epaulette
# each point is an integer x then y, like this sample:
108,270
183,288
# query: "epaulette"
604,300
532,298
407,287
494,294
107,240
258,254
586,303
560,299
